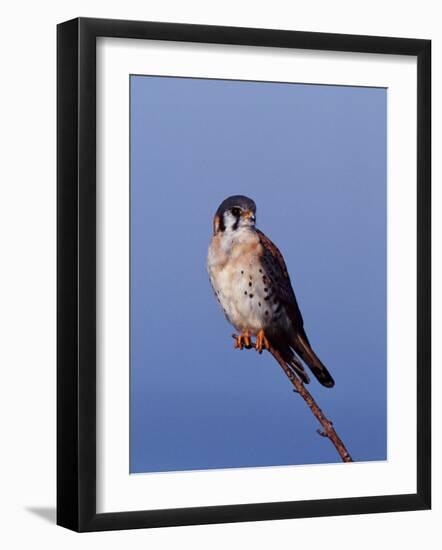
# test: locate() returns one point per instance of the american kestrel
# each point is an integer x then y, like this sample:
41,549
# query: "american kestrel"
251,282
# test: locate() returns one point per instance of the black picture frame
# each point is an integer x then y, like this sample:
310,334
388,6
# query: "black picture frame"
76,274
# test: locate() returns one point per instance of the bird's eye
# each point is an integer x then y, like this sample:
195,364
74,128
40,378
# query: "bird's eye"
236,212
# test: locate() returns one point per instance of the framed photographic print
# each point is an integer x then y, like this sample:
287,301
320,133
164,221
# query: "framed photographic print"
243,274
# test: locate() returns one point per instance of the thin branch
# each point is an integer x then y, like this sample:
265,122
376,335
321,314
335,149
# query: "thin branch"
327,426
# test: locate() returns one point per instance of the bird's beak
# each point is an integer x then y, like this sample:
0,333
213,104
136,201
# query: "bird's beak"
249,215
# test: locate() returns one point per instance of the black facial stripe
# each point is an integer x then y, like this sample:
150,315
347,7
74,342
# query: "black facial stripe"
235,225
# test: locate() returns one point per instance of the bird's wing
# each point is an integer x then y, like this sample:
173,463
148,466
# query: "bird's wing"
276,269
279,277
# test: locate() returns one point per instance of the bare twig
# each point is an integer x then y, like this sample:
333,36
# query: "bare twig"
328,429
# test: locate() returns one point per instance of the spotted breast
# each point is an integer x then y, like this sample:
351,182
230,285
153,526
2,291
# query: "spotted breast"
241,282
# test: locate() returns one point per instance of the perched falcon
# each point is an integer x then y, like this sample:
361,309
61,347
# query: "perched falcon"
251,282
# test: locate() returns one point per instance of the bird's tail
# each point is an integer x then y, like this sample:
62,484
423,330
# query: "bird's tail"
304,350
292,361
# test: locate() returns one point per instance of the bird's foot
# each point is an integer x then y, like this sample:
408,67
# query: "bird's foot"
242,341
261,342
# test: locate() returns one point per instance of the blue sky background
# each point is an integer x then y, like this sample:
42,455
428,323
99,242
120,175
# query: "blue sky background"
314,160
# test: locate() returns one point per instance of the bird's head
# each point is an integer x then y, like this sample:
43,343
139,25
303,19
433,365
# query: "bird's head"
233,213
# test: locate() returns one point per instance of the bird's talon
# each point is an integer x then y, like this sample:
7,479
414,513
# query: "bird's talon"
261,342
242,341
238,343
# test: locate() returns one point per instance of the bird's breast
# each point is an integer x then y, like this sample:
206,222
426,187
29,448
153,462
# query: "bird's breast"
240,282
